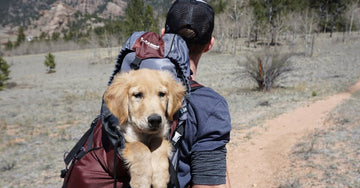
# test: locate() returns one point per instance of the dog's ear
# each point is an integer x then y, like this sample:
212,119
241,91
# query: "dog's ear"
116,97
176,95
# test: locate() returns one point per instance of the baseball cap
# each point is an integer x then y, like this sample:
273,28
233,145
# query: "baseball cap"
192,14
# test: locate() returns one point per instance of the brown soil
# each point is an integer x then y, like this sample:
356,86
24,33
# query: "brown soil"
258,161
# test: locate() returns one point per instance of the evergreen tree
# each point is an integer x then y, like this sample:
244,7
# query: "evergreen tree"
219,6
9,45
331,13
43,36
20,37
4,72
140,17
150,22
266,12
55,36
50,63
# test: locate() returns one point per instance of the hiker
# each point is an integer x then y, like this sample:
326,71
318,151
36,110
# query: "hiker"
203,123
202,160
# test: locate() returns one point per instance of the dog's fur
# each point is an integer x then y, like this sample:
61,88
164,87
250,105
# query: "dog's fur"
144,101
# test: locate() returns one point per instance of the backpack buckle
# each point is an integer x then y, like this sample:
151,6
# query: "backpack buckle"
63,173
176,137
183,110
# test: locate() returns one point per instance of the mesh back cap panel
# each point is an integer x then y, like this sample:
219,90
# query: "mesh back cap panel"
193,14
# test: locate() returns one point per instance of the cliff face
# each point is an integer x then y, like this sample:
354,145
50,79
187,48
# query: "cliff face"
53,20
51,16
61,13
103,7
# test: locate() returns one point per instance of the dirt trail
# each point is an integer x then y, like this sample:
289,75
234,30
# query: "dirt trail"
257,162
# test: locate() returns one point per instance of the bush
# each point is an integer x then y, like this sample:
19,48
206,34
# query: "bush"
4,72
9,45
50,63
268,67
314,94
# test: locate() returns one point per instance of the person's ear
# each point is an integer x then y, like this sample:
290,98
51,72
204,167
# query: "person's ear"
162,32
209,45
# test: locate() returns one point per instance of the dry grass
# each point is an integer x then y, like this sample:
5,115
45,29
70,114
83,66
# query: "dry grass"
44,115
330,157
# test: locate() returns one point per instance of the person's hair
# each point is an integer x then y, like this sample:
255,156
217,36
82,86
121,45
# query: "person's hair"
194,48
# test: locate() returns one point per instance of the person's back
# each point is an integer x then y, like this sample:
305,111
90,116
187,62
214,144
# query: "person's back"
202,159
202,148
203,154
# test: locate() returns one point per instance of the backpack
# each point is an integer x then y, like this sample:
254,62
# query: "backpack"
141,50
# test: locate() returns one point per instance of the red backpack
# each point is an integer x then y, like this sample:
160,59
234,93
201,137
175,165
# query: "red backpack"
93,160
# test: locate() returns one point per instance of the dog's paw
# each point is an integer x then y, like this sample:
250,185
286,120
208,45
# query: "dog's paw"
160,177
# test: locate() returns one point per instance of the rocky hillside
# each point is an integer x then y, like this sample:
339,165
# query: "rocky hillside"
61,13
104,8
23,12
53,16
53,20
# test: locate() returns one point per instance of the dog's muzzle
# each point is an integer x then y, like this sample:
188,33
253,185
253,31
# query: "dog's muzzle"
154,121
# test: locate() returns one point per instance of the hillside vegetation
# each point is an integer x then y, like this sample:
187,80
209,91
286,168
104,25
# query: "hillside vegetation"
259,22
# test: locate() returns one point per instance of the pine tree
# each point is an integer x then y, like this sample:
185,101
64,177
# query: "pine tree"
140,17
150,22
331,13
266,11
4,72
9,45
219,6
20,37
50,63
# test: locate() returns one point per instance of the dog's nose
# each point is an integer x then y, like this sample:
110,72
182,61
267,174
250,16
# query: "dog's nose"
154,121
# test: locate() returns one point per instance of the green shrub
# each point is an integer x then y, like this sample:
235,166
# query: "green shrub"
4,72
314,94
50,63
55,36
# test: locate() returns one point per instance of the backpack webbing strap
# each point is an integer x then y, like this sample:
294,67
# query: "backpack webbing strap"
78,150
175,135
174,182
178,131
136,63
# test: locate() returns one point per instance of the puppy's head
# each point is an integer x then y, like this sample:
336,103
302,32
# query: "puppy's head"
144,98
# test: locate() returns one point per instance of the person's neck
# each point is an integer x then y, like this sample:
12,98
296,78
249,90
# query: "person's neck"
194,61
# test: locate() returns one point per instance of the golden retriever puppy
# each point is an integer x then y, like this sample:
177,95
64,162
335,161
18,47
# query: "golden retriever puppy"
145,101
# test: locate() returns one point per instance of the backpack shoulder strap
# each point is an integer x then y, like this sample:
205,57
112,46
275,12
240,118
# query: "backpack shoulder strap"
176,132
177,128
78,150
194,85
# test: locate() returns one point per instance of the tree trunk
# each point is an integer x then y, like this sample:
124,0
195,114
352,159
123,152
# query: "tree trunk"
261,75
255,37
249,36
352,16
294,34
306,32
312,45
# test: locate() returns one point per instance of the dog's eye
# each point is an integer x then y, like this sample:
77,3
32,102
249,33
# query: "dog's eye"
138,95
162,94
